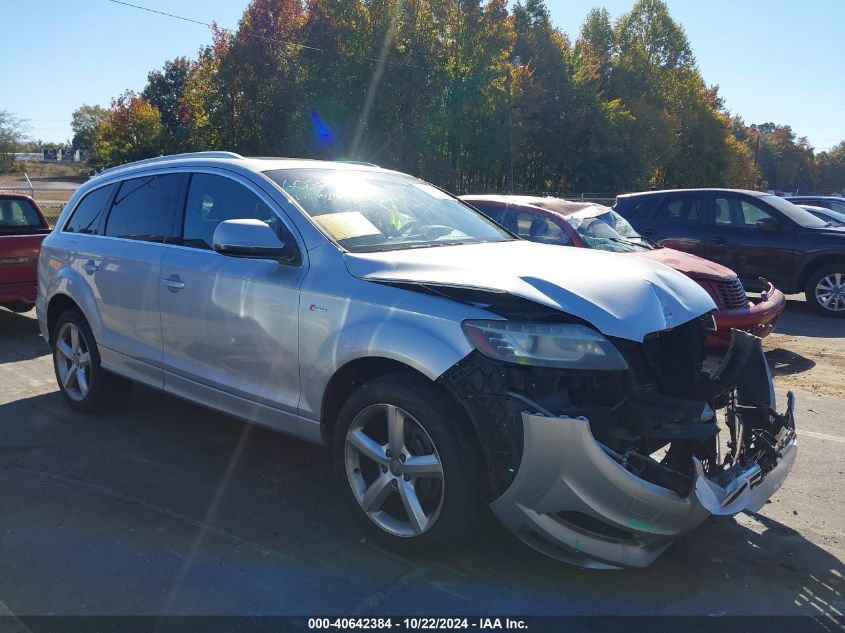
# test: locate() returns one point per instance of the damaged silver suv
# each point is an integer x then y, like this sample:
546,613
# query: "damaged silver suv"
447,363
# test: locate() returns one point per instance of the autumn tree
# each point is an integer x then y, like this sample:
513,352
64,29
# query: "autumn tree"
133,131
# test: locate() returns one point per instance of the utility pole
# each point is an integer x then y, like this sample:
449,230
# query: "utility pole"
514,64
510,131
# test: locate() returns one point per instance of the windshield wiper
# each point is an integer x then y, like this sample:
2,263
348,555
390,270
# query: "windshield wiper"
622,240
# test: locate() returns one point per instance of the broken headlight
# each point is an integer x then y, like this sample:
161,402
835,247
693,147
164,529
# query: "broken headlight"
562,345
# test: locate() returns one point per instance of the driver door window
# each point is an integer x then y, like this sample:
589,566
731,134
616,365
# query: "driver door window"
213,199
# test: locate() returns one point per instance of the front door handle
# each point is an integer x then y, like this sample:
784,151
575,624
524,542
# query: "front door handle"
90,267
721,241
173,283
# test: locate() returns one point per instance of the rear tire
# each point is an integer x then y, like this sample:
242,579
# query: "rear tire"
825,290
85,385
428,494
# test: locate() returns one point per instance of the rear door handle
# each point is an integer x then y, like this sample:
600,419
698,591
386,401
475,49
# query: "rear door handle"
721,241
90,267
173,283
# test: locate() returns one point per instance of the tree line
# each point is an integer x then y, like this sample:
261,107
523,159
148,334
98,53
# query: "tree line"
464,93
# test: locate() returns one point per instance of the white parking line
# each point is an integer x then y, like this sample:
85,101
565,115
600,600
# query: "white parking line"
820,436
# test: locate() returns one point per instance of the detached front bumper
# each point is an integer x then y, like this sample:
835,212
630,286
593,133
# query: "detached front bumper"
577,500
758,318
571,500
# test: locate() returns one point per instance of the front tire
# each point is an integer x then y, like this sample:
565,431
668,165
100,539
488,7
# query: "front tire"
408,463
825,290
86,386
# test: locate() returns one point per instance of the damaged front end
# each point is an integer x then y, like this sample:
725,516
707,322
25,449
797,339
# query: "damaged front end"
607,467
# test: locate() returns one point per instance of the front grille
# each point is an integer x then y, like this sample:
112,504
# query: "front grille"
732,293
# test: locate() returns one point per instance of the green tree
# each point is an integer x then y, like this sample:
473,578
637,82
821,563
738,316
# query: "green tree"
165,91
85,121
12,134
830,167
260,112
545,103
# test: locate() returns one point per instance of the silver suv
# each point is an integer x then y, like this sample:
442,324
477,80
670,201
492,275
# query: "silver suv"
447,363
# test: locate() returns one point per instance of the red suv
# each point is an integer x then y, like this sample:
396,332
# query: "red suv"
22,228
587,225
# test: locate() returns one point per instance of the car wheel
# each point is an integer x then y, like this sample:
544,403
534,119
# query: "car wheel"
86,386
825,290
409,463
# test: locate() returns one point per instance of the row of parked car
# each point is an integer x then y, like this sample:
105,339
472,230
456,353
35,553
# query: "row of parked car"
446,361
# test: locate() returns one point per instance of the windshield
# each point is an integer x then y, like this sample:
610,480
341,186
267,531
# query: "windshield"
795,213
607,232
831,217
366,211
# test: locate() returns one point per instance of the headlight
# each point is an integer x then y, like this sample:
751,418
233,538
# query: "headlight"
565,345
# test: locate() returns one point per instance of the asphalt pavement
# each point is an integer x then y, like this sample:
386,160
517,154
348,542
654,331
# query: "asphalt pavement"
163,507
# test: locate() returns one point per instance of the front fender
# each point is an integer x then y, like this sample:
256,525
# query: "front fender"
430,346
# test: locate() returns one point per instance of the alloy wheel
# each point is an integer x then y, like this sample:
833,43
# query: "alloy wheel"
394,470
830,292
73,361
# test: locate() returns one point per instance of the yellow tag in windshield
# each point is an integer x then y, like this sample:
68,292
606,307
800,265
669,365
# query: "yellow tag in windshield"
342,226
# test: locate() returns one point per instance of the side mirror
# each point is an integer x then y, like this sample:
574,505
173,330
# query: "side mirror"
768,225
249,238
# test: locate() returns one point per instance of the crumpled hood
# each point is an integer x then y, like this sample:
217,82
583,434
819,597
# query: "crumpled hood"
626,297
691,265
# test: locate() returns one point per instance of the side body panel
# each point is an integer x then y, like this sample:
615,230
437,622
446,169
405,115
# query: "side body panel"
233,326
18,266
751,252
115,284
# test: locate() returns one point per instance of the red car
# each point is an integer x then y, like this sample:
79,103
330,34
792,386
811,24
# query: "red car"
587,225
22,228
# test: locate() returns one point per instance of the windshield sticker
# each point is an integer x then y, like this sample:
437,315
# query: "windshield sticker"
342,226
434,192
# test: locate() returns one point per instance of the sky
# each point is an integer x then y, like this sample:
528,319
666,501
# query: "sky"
774,60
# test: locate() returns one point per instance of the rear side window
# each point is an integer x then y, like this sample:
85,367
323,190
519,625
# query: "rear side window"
144,208
18,213
213,199
87,214
635,208
493,212
682,210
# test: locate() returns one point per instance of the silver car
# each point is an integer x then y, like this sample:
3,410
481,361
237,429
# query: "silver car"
445,362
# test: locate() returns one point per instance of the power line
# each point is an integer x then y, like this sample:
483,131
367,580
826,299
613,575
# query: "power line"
264,37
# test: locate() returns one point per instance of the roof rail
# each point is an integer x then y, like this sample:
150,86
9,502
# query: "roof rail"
158,159
357,162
